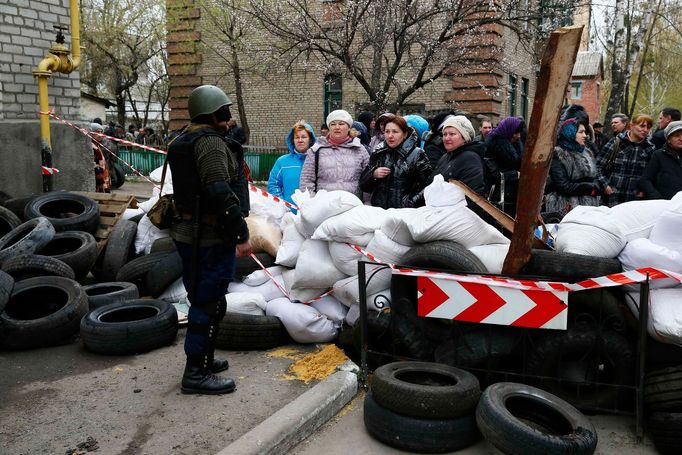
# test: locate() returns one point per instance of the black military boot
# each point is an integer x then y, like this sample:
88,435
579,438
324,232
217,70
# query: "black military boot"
217,365
198,378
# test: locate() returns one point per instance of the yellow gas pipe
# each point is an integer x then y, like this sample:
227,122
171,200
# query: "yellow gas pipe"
57,60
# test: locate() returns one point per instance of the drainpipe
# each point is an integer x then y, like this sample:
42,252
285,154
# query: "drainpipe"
59,59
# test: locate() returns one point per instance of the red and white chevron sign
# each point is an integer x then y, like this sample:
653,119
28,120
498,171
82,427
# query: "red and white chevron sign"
490,304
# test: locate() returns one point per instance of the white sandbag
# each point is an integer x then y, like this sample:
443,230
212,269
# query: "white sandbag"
492,256
332,308
246,303
315,268
590,231
266,207
344,257
324,205
146,234
148,204
260,277
355,226
386,249
644,253
167,189
347,291
443,194
174,293
458,224
665,313
155,175
292,240
268,290
264,235
303,323
299,295
131,213
637,218
394,224
353,315
667,231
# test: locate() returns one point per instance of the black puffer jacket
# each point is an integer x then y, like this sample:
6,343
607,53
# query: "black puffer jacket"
502,158
410,173
465,165
662,178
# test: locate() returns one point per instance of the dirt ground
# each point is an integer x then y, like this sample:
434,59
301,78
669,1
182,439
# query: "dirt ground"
55,399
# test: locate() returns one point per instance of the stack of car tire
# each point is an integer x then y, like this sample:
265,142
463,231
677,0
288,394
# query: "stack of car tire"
663,402
46,261
432,408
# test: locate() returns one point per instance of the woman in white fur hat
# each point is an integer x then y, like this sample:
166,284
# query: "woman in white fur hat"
462,159
335,162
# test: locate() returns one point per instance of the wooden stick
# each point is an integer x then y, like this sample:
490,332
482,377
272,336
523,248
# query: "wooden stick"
555,73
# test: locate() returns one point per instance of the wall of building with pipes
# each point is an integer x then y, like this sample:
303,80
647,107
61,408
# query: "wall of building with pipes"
26,34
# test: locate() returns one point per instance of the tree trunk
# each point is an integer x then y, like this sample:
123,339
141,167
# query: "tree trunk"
239,92
617,68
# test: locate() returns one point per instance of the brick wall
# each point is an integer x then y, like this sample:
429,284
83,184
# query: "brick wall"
591,97
26,35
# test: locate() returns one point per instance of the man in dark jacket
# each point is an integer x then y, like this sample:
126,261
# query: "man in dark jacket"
208,230
667,115
662,177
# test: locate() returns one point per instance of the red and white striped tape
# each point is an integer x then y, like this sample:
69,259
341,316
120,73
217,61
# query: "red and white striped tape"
132,144
90,134
49,170
265,194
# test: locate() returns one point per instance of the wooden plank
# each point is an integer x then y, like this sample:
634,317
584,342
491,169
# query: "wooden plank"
506,221
555,73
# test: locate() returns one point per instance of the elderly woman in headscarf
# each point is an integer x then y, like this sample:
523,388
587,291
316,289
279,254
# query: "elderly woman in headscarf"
573,172
335,162
462,158
504,148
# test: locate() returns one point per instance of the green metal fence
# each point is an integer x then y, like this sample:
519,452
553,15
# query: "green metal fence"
144,161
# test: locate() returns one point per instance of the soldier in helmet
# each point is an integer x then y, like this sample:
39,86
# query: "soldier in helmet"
209,231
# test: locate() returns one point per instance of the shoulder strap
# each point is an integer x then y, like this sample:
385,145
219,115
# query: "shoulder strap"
317,166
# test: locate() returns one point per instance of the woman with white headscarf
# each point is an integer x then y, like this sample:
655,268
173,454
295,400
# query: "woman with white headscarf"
462,159
335,162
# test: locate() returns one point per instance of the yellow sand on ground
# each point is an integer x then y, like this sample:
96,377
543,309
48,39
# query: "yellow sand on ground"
287,353
318,365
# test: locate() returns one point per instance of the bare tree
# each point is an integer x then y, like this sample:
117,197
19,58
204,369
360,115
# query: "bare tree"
119,38
393,49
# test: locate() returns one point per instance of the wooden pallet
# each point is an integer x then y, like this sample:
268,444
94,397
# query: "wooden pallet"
111,209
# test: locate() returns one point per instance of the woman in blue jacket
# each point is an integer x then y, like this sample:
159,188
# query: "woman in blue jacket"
286,173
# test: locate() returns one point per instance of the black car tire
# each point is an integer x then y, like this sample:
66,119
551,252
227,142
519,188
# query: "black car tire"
520,419
136,270
17,205
119,249
42,312
425,390
34,265
78,249
6,287
167,271
26,238
418,435
129,327
666,432
581,357
166,244
66,211
246,265
663,390
8,221
245,332
101,294
568,266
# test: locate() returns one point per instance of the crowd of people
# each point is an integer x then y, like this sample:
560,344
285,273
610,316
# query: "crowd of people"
392,158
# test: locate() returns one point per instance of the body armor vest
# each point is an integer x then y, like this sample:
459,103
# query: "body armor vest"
186,181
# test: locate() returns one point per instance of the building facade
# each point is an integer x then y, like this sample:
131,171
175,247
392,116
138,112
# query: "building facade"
503,87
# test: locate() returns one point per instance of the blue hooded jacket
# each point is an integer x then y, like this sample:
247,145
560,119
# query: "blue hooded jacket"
286,173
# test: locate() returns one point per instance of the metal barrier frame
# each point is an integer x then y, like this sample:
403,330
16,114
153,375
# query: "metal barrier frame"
640,360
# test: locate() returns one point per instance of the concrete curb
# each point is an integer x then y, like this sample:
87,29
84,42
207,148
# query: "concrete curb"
283,430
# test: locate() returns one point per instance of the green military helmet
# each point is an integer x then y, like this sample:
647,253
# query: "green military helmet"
206,99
